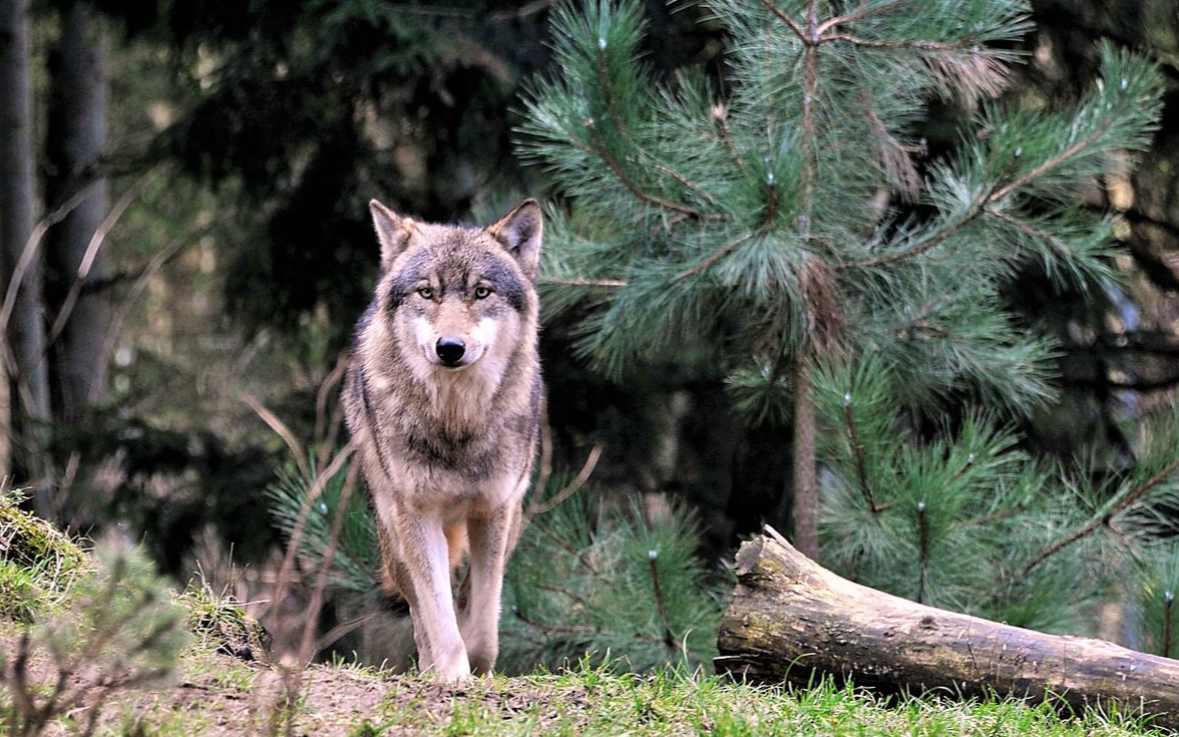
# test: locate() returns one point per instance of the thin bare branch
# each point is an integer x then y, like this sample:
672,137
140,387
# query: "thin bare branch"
288,562
29,253
88,258
161,259
857,446
582,477
307,646
283,432
685,181
325,428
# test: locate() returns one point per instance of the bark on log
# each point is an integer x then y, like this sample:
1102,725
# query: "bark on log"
793,621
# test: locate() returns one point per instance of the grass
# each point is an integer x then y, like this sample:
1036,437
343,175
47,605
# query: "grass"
212,691
670,704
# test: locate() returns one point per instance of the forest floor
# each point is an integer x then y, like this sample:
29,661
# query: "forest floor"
98,645
214,695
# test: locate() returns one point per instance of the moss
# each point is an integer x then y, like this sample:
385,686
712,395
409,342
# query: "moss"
222,625
31,542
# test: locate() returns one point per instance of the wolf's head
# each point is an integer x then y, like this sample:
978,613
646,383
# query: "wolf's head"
455,295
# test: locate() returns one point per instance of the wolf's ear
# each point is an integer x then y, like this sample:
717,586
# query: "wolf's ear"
393,231
520,233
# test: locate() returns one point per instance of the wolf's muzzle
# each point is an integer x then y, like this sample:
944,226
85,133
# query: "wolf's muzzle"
450,350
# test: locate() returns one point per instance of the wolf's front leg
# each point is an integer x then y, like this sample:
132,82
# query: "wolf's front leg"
491,543
425,560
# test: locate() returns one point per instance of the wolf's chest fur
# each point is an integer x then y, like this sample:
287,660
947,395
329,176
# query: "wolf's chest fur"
456,426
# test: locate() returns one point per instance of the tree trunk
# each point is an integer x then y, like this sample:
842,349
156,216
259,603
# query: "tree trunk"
805,494
77,137
25,333
791,619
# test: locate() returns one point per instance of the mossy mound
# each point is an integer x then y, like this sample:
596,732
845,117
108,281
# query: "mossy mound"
38,563
31,542
223,626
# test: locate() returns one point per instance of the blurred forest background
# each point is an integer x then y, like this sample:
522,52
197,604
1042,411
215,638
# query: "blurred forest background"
183,201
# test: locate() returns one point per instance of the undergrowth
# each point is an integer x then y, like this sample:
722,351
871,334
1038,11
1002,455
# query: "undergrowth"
98,644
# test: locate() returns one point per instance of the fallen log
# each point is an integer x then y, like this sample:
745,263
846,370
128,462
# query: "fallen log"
793,621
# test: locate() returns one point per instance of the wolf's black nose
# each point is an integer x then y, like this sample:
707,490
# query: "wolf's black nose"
450,350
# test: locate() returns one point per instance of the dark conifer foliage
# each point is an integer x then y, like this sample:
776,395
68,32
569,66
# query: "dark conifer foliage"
792,229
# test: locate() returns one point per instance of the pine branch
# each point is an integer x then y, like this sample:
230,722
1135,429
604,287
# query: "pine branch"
929,244
1054,162
923,546
601,150
686,182
717,255
668,637
552,629
859,14
916,45
1105,520
797,29
858,451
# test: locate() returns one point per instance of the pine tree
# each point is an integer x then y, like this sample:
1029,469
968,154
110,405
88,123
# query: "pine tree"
789,218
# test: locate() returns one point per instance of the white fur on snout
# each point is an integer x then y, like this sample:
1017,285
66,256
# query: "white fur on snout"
475,343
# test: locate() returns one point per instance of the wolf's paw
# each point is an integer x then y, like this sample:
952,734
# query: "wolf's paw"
454,668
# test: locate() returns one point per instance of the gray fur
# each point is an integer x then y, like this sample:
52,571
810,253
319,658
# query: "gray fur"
447,451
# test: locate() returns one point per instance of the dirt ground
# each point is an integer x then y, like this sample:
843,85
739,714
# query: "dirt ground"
216,695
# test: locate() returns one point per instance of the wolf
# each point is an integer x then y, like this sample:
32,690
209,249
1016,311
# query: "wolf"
442,400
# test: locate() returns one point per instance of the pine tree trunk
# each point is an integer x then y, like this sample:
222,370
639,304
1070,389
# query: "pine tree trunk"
791,619
77,137
805,509
25,331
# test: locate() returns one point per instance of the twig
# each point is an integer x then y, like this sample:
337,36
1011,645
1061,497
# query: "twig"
1054,162
787,20
603,151
283,432
91,254
325,431
860,13
550,629
930,243
306,647
861,463
652,564
340,630
919,45
288,561
30,251
685,181
574,485
1104,520
717,255
575,282
153,267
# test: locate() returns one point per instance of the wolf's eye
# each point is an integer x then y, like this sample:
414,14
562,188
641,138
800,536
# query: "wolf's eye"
426,293
482,292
